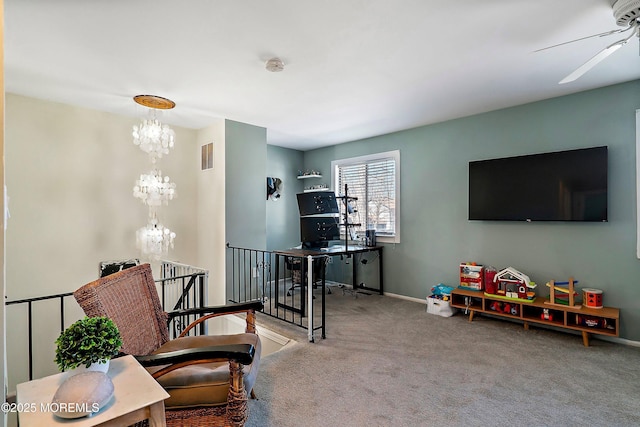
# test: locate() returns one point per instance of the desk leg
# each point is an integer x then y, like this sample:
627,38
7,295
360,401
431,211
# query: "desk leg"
324,275
277,285
304,274
354,275
290,299
309,295
380,272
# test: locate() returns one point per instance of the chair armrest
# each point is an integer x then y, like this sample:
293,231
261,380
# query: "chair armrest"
240,307
242,353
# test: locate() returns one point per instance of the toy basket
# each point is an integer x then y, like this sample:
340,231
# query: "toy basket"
439,307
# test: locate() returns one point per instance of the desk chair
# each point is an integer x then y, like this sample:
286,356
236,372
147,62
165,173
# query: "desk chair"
205,376
294,264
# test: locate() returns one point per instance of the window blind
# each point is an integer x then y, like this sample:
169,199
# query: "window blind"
373,184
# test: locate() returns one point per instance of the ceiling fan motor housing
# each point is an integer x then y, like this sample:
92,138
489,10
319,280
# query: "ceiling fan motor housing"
626,12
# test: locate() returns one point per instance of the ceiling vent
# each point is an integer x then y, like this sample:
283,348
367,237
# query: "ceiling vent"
207,156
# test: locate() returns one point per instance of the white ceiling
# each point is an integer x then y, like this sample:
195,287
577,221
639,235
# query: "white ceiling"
354,68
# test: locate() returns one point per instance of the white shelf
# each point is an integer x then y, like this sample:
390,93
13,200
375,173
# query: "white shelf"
310,190
309,176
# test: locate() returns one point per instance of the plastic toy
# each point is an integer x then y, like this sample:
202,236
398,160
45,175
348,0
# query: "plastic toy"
495,306
559,287
592,298
592,322
512,284
546,315
510,309
441,289
490,285
471,276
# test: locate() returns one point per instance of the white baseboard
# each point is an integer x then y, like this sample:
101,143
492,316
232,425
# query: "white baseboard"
404,297
617,340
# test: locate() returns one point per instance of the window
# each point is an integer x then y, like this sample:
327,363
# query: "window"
375,181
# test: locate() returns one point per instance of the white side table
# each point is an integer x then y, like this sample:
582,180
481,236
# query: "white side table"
137,396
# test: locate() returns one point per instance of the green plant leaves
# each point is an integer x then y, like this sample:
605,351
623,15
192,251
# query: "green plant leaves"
89,340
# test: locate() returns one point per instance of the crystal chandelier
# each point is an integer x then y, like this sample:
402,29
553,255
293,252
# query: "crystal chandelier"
154,190
154,239
152,136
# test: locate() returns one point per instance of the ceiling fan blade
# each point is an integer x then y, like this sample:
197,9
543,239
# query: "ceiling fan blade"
593,61
608,33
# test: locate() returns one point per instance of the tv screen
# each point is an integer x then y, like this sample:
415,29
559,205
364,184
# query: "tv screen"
316,231
317,202
560,186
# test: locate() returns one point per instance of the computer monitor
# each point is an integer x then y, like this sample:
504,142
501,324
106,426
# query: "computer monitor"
317,203
317,232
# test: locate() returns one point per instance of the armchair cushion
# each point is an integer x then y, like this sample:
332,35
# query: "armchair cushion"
205,384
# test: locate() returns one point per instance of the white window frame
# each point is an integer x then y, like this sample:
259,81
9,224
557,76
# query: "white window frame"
395,155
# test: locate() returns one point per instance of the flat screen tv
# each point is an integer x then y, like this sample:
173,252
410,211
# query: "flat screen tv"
559,186
317,231
317,203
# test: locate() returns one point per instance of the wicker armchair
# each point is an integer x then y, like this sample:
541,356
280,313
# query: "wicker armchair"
207,377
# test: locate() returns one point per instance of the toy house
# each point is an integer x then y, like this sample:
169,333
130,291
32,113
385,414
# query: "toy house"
511,283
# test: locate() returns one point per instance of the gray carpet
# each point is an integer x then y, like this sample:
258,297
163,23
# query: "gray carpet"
386,362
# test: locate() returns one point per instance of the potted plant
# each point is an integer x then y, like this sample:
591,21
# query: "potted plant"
92,340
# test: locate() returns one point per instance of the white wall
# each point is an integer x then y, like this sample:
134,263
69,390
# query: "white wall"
211,213
70,173
3,329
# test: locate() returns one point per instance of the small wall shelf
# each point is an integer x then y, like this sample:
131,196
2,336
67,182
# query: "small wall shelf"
603,321
310,190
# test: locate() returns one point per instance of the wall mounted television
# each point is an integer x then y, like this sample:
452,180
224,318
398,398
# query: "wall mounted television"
558,186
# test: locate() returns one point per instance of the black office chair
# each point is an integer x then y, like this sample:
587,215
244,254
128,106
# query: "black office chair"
294,264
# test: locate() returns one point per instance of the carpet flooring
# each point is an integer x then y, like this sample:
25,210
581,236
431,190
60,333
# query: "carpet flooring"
387,362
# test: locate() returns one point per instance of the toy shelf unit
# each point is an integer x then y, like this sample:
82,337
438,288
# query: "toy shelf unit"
602,321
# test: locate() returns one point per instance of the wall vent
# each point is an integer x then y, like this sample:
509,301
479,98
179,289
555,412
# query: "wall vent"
207,156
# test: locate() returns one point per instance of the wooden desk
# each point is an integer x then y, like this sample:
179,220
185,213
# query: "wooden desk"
137,397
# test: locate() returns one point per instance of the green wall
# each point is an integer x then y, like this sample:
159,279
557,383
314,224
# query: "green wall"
245,185
282,215
436,235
